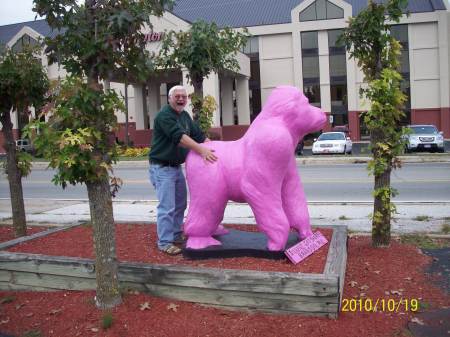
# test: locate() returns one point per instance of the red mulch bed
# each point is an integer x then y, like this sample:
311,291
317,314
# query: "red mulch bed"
77,242
7,232
393,273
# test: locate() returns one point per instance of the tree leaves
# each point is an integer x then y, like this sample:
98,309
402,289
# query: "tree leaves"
367,39
76,137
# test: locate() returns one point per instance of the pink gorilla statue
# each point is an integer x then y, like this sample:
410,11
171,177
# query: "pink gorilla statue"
258,169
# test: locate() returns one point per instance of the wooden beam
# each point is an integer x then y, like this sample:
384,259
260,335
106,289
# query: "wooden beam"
337,257
22,239
317,294
226,279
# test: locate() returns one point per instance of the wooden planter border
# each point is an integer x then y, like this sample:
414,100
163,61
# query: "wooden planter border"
282,292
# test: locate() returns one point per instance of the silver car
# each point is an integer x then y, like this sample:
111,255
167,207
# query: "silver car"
424,138
24,145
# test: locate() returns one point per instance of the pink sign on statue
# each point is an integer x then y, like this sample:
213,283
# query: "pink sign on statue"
306,247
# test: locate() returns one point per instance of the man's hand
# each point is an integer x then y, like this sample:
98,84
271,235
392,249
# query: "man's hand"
208,154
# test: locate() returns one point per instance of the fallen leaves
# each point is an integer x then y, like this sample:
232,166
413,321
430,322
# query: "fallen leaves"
417,321
353,283
54,311
144,306
398,292
173,307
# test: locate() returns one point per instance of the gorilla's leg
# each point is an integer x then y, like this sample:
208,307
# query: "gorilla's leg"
294,202
203,220
267,207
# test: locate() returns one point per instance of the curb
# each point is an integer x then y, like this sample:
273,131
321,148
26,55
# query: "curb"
444,158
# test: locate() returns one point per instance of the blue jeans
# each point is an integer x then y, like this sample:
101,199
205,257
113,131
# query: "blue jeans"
170,186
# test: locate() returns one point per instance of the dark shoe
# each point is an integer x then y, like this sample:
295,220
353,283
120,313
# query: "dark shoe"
181,240
171,250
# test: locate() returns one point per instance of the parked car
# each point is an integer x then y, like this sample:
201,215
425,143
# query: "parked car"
332,142
24,145
424,138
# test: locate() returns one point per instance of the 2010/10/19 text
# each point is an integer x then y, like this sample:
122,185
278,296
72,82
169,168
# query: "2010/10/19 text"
380,304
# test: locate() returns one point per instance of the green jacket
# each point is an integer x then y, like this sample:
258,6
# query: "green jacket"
168,129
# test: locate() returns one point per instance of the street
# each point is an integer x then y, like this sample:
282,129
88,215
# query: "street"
333,182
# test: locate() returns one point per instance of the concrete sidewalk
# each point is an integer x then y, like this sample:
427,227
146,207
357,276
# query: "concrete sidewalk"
306,160
411,217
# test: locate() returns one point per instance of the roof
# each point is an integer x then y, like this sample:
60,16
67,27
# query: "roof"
233,13
7,32
247,13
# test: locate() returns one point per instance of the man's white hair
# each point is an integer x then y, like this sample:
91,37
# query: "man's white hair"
177,87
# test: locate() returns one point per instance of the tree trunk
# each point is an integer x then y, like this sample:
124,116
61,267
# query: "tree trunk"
381,223
14,178
106,267
197,83
127,139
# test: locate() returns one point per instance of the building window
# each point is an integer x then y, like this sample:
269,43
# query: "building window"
251,49
338,78
400,33
252,46
321,10
24,41
310,67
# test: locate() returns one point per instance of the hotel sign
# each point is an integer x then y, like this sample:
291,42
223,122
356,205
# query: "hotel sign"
154,37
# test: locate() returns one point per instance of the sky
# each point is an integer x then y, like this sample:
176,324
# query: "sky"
14,11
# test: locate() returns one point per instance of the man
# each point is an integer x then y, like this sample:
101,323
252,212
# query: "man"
174,134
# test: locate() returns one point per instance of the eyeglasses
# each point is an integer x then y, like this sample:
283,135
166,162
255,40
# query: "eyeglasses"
180,96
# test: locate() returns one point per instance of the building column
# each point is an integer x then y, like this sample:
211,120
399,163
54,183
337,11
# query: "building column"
243,101
324,69
211,87
189,89
153,100
353,125
140,115
227,100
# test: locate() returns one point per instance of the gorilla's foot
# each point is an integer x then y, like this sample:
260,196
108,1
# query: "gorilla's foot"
304,233
221,230
275,246
200,242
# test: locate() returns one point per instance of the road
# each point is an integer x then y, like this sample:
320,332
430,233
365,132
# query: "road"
344,182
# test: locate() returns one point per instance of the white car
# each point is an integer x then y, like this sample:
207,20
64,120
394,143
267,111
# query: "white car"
332,142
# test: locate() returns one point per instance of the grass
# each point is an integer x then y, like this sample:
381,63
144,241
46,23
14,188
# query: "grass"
86,224
402,332
423,241
7,299
32,333
424,306
107,320
422,218
445,228
141,158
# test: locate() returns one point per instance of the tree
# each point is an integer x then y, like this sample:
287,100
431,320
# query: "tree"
367,39
23,83
203,49
96,41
